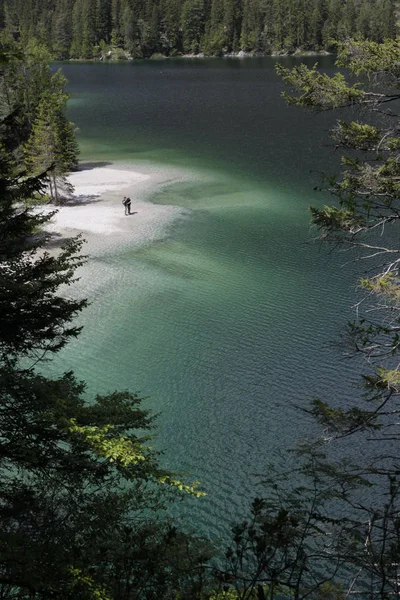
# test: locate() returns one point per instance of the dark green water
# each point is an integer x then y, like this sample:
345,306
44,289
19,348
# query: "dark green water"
228,320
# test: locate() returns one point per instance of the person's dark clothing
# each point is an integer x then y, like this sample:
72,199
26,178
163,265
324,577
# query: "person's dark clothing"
127,203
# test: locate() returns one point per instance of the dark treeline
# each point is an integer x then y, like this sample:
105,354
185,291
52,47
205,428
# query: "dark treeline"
141,28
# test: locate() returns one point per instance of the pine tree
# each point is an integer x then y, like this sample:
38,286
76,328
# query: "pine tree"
330,28
52,145
37,98
115,22
279,19
170,33
363,23
315,25
103,20
77,34
62,29
192,22
128,30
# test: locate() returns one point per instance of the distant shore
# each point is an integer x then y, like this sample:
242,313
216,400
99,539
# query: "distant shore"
123,56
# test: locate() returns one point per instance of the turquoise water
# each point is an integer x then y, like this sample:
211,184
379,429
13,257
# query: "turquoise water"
228,321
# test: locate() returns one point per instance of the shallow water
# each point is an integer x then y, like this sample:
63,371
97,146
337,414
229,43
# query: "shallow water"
227,320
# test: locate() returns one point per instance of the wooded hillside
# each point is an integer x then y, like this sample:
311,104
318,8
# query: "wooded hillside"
141,28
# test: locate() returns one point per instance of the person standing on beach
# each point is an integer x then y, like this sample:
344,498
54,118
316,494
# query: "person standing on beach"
127,203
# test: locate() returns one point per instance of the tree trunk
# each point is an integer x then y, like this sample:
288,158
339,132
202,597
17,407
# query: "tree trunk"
51,188
56,197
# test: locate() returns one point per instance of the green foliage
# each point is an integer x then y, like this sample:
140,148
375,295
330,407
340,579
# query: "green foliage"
37,98
319,90
370,58
51,147
215,42
340,420
338,220
385,285
192,21
360,135
31,321
83,585
77,28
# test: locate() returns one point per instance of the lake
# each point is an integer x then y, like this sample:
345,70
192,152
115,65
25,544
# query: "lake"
227,322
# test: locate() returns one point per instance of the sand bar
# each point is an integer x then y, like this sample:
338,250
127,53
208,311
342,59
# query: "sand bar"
95,208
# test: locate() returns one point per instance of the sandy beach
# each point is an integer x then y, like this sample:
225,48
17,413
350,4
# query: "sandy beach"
96,211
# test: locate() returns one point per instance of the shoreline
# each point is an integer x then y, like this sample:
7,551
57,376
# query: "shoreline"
240,55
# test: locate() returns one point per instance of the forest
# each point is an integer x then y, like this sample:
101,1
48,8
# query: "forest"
95,29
